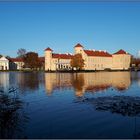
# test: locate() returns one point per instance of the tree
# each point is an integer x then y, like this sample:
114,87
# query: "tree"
77,62
21,53
8,57
31,60
132,60
135,61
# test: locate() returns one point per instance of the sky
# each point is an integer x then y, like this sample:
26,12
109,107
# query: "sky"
35,26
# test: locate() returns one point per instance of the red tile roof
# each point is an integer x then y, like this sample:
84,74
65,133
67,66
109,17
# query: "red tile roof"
62,56
121,52
97,53
78,45
16,59
48,49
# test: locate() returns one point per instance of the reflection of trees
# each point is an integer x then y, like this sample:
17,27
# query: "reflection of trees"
121,88
97,88
78,82
12,117
29,81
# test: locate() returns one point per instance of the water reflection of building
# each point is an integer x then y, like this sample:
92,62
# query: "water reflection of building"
4,80
135,76
21,80
87,82
57,81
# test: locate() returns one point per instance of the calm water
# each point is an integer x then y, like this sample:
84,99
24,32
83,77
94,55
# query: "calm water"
64,105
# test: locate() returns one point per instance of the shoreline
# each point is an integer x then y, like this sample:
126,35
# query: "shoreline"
85,71
65,71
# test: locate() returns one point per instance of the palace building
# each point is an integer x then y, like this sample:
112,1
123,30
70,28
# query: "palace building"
93,59
55,61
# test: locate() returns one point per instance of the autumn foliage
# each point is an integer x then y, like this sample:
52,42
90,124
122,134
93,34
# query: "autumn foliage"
77,62
32,61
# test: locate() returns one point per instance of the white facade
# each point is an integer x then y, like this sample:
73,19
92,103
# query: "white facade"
19,65
4,63
16,63
55,62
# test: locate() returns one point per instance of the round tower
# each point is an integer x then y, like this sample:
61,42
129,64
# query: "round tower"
48,59
78,48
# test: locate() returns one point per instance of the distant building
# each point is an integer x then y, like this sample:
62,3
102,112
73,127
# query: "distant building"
16,63
55,61
4,63
93,59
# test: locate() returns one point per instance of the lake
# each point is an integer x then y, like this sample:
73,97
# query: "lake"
71,105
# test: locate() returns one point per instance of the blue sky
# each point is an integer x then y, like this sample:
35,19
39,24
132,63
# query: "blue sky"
61,25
